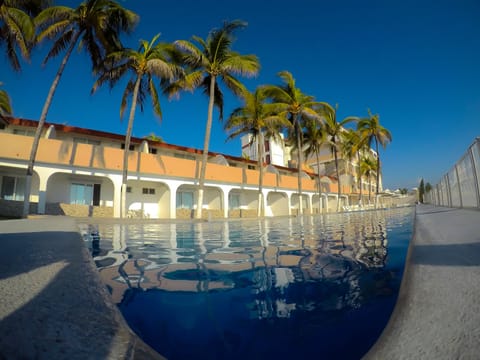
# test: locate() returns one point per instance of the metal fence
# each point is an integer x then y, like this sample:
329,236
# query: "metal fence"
460,187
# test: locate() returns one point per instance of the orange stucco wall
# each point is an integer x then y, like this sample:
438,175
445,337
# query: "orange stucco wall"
106,158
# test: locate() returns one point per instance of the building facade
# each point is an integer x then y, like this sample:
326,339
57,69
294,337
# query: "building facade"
276,152
78,172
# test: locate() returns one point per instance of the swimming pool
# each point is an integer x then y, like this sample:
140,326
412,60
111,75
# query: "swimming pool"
277,288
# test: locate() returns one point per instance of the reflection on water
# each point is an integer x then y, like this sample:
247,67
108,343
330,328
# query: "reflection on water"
270,288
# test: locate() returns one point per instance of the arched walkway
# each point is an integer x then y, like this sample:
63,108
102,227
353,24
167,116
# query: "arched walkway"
277,204
79,195
148,199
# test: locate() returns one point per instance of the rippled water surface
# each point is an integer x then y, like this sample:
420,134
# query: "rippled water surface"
280,288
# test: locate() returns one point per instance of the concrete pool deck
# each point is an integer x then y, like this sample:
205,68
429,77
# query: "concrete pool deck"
437,315
53,304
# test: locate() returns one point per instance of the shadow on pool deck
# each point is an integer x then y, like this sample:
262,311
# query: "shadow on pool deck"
53,304
437,314
448,255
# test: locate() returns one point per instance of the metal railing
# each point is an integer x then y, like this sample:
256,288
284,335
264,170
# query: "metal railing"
460,187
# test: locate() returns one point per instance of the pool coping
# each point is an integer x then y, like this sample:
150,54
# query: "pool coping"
437,314
54,304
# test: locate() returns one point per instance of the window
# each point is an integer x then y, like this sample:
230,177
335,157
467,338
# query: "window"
184,200
129,189
131,147
81,194
85,194
184,156
234,201
24,132
148,191
86,141
267,145
13,188
268,159
152,150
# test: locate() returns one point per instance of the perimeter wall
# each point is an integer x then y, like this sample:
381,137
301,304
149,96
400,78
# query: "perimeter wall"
460,186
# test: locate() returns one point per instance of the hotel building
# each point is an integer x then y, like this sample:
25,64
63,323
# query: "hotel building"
78,172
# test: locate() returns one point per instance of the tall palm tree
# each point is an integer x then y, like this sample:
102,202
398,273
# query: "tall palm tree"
97,25
299,107
334,129
208,62
17,29
151,59
5,104
355,145
261,120
371,130
368,167
315,137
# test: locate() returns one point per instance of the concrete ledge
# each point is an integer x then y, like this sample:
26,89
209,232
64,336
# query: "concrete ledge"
437,315
53,304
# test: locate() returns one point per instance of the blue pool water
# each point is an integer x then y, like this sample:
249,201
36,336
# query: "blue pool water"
281,288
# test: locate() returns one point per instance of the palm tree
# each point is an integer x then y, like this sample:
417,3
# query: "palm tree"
261,120
148,61
368,167
97,24
371,130
299,107
349,150
153,137
315,137
17,29
213,60
334,128
5,105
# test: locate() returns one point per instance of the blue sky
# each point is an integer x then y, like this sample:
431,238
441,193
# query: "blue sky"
415,63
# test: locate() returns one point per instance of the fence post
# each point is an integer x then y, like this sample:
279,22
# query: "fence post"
474,170
459,187
449,191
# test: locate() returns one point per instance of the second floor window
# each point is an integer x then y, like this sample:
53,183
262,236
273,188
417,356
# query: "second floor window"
131,147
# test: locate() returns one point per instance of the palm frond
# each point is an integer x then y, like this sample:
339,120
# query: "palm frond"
53,30
11,52
218,95
233,84
93,49
126,94
155,99
61,44
21,28
243,65
5,104
193,51
53,15
160,68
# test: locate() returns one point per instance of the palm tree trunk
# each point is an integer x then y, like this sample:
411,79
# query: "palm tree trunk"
41,122
339,191
369,188
126,151
378,165
260,208
359,178
299,165
378,172
208,129
319,187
